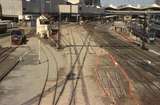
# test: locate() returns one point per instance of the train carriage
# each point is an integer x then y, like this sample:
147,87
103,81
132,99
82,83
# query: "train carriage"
145,35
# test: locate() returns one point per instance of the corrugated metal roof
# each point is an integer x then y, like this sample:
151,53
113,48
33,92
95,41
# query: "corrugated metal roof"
129,6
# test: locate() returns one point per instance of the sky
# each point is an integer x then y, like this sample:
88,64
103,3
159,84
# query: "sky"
121,2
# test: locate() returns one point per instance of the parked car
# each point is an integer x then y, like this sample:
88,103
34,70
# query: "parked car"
18,37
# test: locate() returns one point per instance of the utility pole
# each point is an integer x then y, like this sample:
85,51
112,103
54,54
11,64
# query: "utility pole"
10,40
58,44
42,6
145,24
70,11
39,40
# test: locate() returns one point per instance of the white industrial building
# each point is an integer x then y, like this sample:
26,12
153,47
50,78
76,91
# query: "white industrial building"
11,8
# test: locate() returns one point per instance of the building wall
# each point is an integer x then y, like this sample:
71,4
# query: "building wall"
11,8
40,6
73,1
90,10
31,6
92,2
14,8
51,6
68,9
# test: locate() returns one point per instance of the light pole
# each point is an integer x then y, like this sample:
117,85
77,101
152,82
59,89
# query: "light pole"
59,32
39,52
39,49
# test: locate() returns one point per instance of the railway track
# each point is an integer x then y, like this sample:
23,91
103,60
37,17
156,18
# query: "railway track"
138,65
108,80
141,67
75,61
146,82
46,79
135,61
38,99
80,72
112,81
4,54
59,82
2,50
4,74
